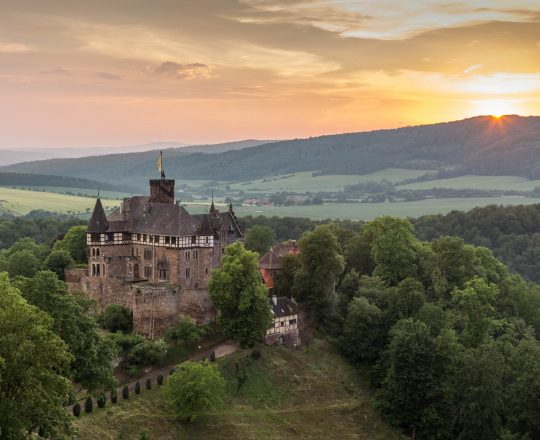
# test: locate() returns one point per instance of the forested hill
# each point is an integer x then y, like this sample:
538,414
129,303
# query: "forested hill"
480,145
22,179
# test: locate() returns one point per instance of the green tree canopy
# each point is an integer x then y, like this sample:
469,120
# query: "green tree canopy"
116,318
193,388
259,239
75,243
321,264
33,358
58,261
237,291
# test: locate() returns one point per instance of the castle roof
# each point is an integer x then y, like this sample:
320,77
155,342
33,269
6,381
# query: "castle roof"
272,259
98,222
283,306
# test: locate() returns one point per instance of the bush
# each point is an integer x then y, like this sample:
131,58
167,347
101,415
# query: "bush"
126,342
256,354
114,396
101,400
77,410
115,317
137,388
88,405
171,371
160,379
147,353
148,384
213,356
125,392
186,331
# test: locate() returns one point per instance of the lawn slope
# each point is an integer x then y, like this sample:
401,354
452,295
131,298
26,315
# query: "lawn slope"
303,394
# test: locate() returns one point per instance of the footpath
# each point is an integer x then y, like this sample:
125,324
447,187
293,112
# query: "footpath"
221,349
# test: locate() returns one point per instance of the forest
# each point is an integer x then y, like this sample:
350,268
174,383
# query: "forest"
479,145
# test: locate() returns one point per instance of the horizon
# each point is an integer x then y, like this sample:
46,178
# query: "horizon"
214,71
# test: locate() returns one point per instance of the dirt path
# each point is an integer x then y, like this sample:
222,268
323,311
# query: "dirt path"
221,349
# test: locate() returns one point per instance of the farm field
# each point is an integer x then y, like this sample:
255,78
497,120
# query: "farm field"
21,202
309,393
304,181
85,191
368,211
478,182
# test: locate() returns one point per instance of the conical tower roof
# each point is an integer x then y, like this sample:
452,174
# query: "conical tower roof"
98,221
206,226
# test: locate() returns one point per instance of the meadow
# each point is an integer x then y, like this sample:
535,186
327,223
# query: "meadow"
506,183
21,202
305,181
368,211
310,393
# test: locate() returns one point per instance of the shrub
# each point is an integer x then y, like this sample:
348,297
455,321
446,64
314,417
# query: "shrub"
77,410
148,384
147,353
160,379
171,371
213,356
101,400
114,396
115,317
88,405
256,354
137,388
125,392
185,331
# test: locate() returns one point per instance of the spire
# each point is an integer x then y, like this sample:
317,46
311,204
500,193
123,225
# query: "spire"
98,222
212,207
206,226
160,167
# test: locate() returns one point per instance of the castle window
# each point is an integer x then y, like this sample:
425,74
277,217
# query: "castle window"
93,252
162,274
193,239
292,322
187,255
187,272
147,254
206,271
117,236
147,272
97,270
207,240
130,268
173,241
93,270
167,240
144,238
98,252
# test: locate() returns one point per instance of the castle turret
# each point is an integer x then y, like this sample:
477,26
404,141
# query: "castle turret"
98,222
162,191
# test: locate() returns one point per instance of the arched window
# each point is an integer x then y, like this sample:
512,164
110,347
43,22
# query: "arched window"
98,270
130,268
93,252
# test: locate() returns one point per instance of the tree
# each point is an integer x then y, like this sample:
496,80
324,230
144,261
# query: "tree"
23,263
114,396
320,266
284,279
194,387
137,388
58,261
116,317
362,331
358,254
92,353
148,384
77,409
348,288
393,248
259,239
74,242
33,362
160,379
101,401
147,353
237,291
412,387
185,331
407,299
125,392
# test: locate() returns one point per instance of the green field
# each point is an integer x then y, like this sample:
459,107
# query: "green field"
85,191
21,202
309,393
301,182
368,211
478,182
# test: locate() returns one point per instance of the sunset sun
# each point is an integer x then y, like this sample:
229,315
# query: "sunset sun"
496,107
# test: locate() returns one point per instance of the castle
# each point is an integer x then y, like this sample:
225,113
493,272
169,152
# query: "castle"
153,257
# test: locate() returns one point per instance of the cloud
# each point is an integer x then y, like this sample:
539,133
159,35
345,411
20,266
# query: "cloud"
183,71
60,71
107,75
14,48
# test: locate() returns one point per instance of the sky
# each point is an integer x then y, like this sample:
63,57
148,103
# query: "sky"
77,73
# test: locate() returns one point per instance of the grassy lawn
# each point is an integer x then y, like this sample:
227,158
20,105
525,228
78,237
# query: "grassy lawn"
303,394
83,191
20,201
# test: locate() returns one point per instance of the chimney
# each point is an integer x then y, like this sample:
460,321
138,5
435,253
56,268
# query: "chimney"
274,299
